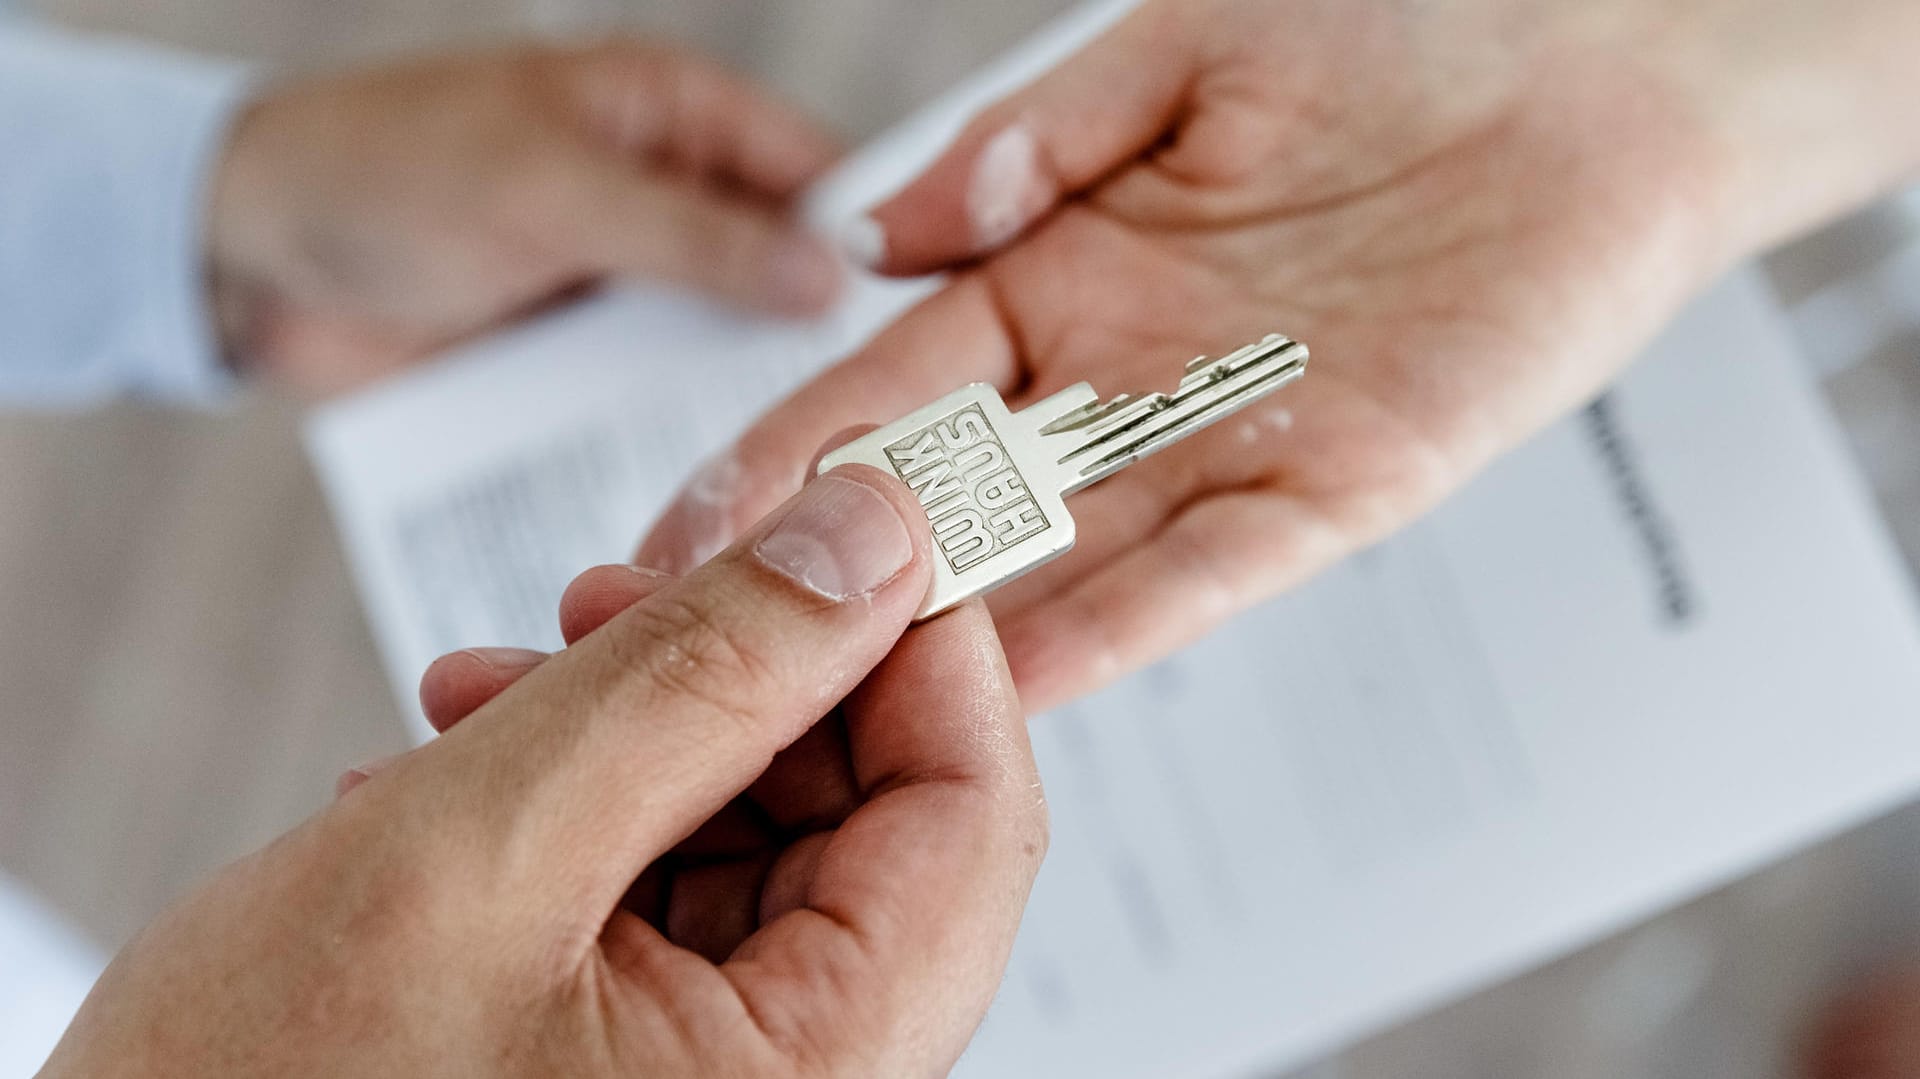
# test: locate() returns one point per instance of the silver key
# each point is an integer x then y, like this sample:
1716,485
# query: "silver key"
994,482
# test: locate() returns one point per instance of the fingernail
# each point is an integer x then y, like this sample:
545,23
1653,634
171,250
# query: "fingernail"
841,539
649,572
704,512
803,277
864,241
694,548
505,660
1007,191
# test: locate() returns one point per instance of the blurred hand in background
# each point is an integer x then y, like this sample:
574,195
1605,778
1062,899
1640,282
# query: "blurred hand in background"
1474,213
361,221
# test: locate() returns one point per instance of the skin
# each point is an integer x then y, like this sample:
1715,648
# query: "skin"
607,869
1872,1032
644,855
1474,213
362,221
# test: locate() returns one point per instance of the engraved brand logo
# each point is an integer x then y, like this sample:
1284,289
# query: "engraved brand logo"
977,502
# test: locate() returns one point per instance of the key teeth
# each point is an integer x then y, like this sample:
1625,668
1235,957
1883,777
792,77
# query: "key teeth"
1087,416
1072,419
1201,372
1271,345
1213,390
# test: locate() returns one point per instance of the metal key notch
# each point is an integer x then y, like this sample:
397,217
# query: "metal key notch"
994,482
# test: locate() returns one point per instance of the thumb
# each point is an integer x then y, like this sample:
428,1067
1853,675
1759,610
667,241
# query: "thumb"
1021,158
568,783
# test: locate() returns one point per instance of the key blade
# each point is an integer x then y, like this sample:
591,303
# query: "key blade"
1111,435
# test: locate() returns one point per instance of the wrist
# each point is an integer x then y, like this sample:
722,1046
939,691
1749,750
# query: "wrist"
1813,106
242,212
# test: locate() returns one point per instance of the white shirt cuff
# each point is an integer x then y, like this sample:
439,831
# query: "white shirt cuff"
107,153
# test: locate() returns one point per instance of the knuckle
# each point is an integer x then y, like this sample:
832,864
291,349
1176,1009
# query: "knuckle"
736,248
797,1049
1034,828
382,882
824,1041
1022,825
535,189
681,650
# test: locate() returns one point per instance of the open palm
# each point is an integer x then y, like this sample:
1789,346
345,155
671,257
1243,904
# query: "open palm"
1471,236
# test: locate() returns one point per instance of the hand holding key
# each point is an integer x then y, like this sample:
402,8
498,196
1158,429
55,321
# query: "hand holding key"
1474,212
645,855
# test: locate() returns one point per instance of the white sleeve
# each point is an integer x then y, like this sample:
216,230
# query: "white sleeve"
106,152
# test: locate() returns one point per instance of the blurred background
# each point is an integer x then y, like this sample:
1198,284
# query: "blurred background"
187,669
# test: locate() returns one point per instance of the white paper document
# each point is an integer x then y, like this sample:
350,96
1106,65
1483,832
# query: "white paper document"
46,970
1662,644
